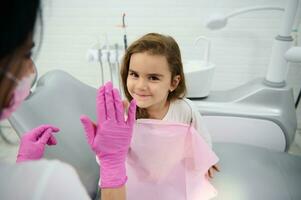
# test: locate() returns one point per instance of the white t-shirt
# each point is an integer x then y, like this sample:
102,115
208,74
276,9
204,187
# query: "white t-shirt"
41,179
183,111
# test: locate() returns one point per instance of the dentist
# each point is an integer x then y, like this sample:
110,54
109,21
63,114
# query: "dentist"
33,177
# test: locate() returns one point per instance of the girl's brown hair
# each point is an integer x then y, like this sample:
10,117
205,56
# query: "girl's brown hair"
155,44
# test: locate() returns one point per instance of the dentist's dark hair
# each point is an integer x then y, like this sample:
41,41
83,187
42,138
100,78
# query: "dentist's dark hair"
17,22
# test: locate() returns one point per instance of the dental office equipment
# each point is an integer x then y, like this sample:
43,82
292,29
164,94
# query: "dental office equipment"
124,32
63,105
117,63
101,65
108,57
207,50
110,64
218,20
96,55
277,67
263,109
114,55
116,46
199,71
294,55
298,99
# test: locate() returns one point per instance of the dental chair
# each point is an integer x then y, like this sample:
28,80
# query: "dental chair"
59,99
247,172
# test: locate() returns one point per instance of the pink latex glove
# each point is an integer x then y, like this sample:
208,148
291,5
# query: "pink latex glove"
33,143
110,138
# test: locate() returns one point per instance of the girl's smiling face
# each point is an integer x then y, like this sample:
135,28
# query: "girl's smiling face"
149,80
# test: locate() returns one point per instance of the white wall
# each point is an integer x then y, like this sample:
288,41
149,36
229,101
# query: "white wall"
241,51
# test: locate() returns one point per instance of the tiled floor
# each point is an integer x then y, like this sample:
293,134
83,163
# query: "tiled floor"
8,152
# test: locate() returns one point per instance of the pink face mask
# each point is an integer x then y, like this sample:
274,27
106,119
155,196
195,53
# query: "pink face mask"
19,95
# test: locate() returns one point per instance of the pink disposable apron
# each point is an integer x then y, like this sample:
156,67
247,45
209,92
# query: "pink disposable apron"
168,161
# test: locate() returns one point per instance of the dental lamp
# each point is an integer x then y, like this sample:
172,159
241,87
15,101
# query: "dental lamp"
277,69
218,21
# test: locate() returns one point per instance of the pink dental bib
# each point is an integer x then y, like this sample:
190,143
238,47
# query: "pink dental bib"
168,161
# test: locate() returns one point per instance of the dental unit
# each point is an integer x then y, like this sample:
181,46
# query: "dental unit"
263,109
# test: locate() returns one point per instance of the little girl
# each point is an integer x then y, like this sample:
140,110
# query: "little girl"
152,74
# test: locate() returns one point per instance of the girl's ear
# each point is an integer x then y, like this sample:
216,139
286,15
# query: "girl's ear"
174,83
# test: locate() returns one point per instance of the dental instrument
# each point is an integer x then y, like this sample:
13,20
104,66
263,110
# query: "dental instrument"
108,57
101,65
95,55
117,57
110,64
124,34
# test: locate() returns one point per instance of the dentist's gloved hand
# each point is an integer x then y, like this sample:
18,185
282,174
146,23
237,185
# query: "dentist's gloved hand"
32,144
110,138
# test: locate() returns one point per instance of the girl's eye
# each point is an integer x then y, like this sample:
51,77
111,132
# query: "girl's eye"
133,74
153,78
